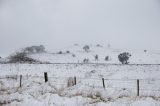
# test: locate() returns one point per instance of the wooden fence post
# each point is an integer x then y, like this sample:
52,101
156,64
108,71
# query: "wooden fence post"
103,83
75,80
137,87
45,77
20,80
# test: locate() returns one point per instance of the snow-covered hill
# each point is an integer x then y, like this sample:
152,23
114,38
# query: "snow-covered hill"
77,55
120,80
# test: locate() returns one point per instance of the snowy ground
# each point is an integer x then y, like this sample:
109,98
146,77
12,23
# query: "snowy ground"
120,81
138,56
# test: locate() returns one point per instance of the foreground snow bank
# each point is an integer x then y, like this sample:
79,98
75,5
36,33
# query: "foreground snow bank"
120,85
47,94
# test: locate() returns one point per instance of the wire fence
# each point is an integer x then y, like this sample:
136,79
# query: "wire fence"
95,63
148,85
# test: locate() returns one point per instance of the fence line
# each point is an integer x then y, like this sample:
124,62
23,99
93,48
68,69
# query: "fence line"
91,64
92,78
104,81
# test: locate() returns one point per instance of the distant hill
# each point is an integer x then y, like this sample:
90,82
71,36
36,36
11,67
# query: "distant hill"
76,54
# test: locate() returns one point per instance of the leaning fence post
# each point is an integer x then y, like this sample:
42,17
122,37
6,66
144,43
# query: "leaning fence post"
75,80
20,80
103,83
138,87
45,77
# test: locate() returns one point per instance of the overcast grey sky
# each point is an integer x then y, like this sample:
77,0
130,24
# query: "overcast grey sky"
133,24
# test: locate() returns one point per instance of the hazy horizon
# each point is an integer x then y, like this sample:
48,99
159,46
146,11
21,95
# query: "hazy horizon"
125,24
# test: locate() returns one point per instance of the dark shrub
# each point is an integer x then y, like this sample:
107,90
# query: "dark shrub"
73,55
67,51
34,49
60,52
145,50
106,58
98,45
86,48
86,60
21,57
124,57
96,57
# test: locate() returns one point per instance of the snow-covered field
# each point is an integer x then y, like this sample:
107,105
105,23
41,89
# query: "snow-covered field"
138,56
120,80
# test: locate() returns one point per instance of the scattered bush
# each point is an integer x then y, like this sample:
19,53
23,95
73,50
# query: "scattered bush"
145,51
106,58
86,60
34,49
86,48
124,57
67,51
60,52
96,57
98,45
21,57
73,55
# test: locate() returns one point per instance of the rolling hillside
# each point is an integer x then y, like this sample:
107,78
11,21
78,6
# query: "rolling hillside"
77,55
120,80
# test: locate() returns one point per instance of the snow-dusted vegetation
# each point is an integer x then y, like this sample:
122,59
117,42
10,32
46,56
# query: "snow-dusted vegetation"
71,82
113,58
77,54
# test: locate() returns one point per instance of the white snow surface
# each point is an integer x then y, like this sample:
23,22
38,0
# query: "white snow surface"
138,56
120,80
